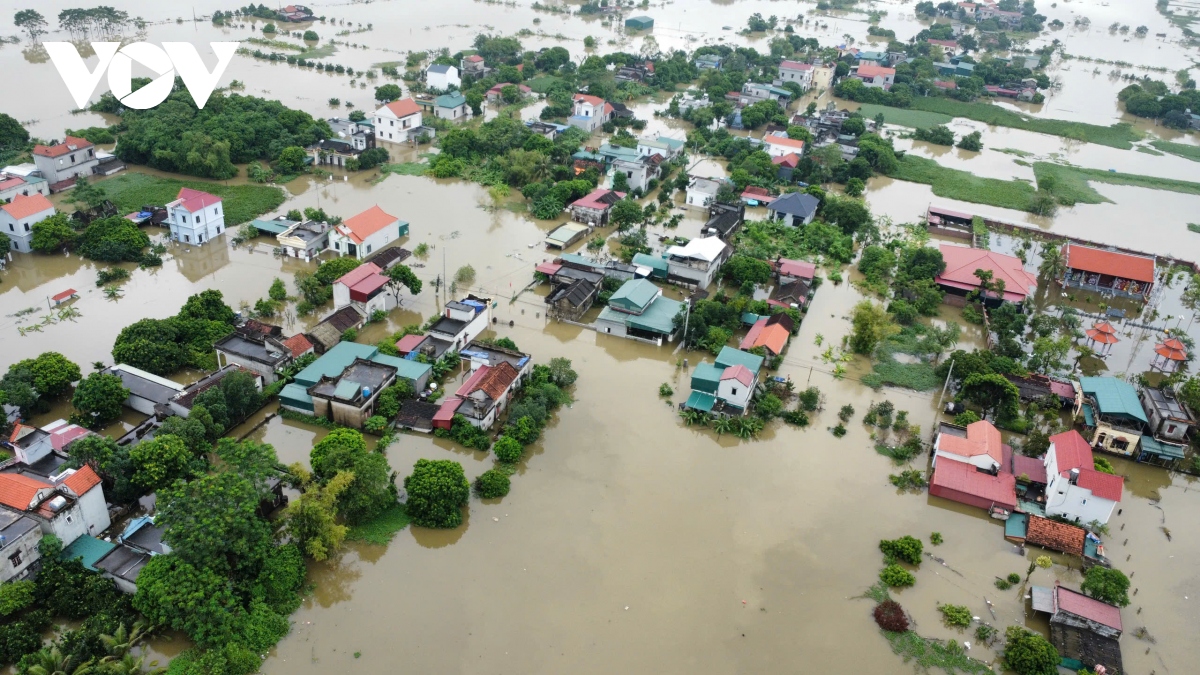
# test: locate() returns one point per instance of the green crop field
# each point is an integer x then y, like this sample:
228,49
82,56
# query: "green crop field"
1191,152
131,190
964,186
917,119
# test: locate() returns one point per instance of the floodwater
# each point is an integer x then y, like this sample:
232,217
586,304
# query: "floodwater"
631,542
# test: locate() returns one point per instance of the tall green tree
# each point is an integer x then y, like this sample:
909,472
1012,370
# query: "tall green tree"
194,599
402,276
311,520
213,522
1027,653
999,398
13,136
1107,585
99,398
52,373
437,491
372,489
161,461
871,326
31,22
52,235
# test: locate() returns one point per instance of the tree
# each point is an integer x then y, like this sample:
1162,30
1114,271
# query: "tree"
1053,263
1107,585
372,489
620,182
508,449
855,126
13,136
1047,354
437,491
87,193
52,235
291,160
492,484
212,522
1027,653
161,461
5,244
938,135
907,549
999,398
208,305
30,21
190,430
402,276
871,325
52,373
848,214
191,598
625,213
278,290
561,373
387,93
741,268
99,398
311,520
855,187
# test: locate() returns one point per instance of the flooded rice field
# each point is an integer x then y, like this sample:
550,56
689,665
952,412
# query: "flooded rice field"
632,542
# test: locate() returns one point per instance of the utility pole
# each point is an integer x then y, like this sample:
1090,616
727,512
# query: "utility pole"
444,274
946,385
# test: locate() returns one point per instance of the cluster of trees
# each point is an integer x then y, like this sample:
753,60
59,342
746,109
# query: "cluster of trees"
713,322
31,384
1152,99
163,346
14,138
905,272
113,239
542,395
95,21
176,136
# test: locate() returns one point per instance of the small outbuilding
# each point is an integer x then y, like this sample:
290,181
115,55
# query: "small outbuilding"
639,23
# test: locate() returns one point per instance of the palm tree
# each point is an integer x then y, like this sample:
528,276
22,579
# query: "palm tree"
122,640
689,416
52,662
131,665
1053,264
722,425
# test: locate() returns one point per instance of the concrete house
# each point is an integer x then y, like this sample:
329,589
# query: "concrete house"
667,147
1081,628
397,121
140,541
1075,489
1168,421
726,385
708,62
966,483
978,444
779,145
640,171
12,185
336,366
473,65
794,208
872,75
350,139
638,310
702,192
349,397
365,287
496,93
62,163
462,321
486,393
451,107
146,390
264,355
1113,414
696,263
18,217
754,92
442,77
304,240
362,234
590,112
19,538
67,503
195,217
794,71
593,208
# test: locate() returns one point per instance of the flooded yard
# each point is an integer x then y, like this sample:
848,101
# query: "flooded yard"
632,542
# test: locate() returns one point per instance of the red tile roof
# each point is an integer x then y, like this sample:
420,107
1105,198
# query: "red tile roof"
64,295
195,200
1101,484
773,337
753,191
870,70
771,139
11,182
740,373
794,65
70,144
474,58
298,344
446,411
945,84
403,107
18,490
365,278
492,380
23,207
961,263
790,160
548,268
1074,602
594,100
1071,451
82,480
1111,263
1055,535
409,342
982,439
366,224
596,199
496,89
964,478
63,436
795,268
1030,467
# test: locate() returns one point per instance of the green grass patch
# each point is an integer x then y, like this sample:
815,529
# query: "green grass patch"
5,455
1014,151
405,169
926,653
1071,182
1117,136
1194,227
542,83
1149,151
243,203
1191,152
905,117
381,530
918,375
965,186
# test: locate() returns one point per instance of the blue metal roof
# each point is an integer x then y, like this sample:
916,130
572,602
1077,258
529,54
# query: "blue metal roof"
87,549
1113,397
700,401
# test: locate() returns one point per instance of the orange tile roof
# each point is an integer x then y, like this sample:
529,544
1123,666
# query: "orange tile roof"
366,224
1055,535
18,490
403,107
70,144
23,207
298,344
594,100
82,480
1101,484
496,381
875,71
982,439
196,200
966,479
771,139
1112,263
963,261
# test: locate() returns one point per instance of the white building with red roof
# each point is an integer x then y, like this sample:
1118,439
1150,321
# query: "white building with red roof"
195,217
397,121
12,185
18,217
366,232
1075,489
962,262
590,112
794,71
980,445
63,162
875,76
779,145
365,287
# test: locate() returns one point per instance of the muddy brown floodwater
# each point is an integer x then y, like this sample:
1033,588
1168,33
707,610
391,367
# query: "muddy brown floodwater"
631,542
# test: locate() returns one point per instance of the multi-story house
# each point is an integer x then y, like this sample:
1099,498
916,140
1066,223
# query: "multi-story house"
18,217
195,217
62,163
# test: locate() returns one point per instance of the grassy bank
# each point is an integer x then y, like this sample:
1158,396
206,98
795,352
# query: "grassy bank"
381,530
243,203
1070,183
1191,152
964,186
917,119
1117,135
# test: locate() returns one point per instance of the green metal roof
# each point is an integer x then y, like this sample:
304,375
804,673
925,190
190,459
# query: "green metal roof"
639,22
1154,447
706,377
1113,397
611,152
409,370
581,260
272,226
700,401
732,357
657,265
450,100
295,396
1089,418
88,550
659,317
634,295
673,143
749,318
334,361
347,390
1016,525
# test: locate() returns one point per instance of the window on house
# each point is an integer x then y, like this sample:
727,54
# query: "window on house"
89,153
735,392
1170,428
1120,444
368,248
197,219
15,559
26,227
70,519
72,159
186,238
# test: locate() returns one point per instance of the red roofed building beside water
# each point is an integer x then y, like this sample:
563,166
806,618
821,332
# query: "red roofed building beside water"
367,232
1075,489
965,483
1106,271
962,262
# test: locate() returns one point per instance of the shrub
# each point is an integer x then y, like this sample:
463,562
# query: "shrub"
437,491
890,616
492,484
955,615
1002,584
906,548
1014,578
1107,585
839,430
810,399
896,576
1044,562
1027,653
797,418
376,424
846,413
936,538
665,390
966,417
508,449
768,407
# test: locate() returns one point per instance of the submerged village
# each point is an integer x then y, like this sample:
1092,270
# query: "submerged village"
576,337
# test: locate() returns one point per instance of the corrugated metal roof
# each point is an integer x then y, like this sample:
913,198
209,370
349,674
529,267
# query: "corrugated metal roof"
700,401
87,549
1113,396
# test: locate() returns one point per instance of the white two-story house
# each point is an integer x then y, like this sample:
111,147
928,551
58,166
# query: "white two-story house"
442,77
65,161
697,262
195,217
365,287
980,445
18,217
462,321
367,232
794,71
1074,488
397,121
590,112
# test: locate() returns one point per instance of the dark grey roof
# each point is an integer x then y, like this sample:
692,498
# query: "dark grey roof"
256,350
573,273
143,388
795,204
724,223
439,68
13,525
123,562
148,537
1166,404
389,257
448,326
575,293
417,414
